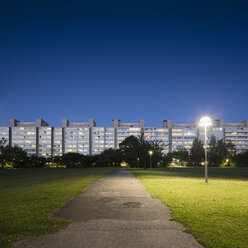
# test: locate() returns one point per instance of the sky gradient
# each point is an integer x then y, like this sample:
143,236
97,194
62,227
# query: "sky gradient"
126,60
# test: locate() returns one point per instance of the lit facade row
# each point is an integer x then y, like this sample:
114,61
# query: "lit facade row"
38,138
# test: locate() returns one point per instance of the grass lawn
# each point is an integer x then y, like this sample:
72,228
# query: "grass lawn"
29,196
216,213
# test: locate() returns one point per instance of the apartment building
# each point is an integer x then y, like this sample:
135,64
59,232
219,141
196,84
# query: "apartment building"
38,138
26,135
76,137
123,130
160,135
237,133
102,138
181,136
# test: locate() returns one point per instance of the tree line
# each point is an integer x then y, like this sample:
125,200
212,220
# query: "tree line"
134,151
218,153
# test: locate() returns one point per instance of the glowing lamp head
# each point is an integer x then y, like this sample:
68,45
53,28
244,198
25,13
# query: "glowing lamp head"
150,152
205,121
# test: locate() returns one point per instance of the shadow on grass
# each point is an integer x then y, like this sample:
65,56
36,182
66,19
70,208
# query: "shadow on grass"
198,172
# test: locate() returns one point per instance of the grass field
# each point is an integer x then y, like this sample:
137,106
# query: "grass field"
216,213
29,196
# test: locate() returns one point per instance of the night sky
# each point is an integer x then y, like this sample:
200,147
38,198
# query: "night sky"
127,60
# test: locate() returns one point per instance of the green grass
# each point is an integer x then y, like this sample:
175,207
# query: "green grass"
29,196
215,213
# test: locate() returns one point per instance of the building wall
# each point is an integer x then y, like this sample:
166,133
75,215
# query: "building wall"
160,135
57,143
124,132
109,138
102,139
77,140
98,140
26,138
237,136
45,141
182,137
4,134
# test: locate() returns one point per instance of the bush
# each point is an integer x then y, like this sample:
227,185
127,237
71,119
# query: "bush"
241,159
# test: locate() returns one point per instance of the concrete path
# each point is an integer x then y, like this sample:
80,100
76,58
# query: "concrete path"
115,211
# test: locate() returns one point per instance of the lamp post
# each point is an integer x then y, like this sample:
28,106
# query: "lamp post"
205,122
150,153
138,161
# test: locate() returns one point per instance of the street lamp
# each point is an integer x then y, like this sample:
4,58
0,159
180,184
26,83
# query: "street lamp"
150,153
205,122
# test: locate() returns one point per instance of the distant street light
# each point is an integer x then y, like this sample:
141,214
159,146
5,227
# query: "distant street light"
138,161
227,162
150,153
205,122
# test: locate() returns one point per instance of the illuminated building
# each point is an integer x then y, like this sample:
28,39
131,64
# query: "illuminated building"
38,138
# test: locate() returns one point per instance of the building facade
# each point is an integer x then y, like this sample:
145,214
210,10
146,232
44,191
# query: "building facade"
40,139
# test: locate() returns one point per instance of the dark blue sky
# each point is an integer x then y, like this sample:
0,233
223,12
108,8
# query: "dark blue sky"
125,60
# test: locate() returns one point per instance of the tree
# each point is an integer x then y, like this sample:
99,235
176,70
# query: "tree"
196,152
157,156
109,157
241,159
135,149
218,151
57,160
143,150
36,161
13,156
71,159
166,160
88,160
231,149
130,150
181,154
3,143
214,157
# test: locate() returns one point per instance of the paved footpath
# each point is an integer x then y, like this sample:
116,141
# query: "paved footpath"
116,211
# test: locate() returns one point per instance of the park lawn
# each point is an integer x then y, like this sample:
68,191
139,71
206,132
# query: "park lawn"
215,213
29,196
